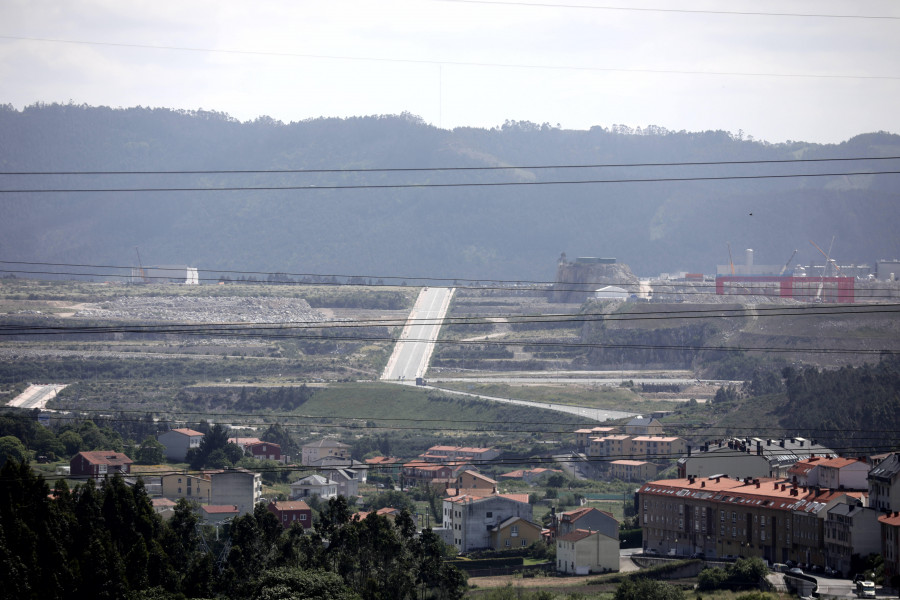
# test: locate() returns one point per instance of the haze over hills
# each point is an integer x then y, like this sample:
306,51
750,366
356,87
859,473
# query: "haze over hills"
494,231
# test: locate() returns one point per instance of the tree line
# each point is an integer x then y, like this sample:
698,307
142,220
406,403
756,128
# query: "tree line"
107,541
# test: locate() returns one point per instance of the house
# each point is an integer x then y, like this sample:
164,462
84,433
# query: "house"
347,481
884,484
385,465
804,472
164,507
244,442
388,512
643,426
337,462
182,485
99,464
471,518
313,452
515,532
807,526
749,457
588,518
178,442
238,487
313,485
218,513
632,470
583,551
264,451
474,481
291,512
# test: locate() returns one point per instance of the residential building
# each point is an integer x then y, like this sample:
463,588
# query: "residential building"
218,513
346,480
244,442
419,473
583,436
178,442
807,525
632,470
643,426
719,517
884,484
238,487
472,518
99,464
313,485
457,454
385,465
804,472
164,507
515,532
473,481
583,551
192,487
313,452
850,529
749,457
610,447
657,448
843,473
530,476
589,518
890,544
264,451
291,512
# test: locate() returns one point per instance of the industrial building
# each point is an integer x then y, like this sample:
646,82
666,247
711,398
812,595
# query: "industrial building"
166,274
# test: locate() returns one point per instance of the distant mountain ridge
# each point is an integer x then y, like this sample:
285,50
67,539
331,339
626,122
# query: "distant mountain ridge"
492,231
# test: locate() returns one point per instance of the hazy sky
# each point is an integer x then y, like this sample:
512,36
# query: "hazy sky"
477,63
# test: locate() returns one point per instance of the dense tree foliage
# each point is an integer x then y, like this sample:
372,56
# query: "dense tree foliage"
853,410
107,542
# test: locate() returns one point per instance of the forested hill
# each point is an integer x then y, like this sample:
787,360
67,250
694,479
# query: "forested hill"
508,232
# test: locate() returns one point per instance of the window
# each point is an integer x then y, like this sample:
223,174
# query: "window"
507,543
179,490
303,517
524,542
514,531
489,514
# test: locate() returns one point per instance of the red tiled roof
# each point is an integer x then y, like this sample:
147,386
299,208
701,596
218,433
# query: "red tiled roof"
186,431
892,519
101,457
578,534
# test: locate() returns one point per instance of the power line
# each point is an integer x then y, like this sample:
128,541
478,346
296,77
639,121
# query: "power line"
451,169
311,187
453,62
676,10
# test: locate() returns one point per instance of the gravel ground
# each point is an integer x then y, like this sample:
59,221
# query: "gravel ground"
204,310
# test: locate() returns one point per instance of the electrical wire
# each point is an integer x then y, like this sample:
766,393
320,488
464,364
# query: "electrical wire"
452,169
385,186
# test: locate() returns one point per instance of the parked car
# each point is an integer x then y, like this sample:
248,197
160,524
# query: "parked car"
795,571
651,552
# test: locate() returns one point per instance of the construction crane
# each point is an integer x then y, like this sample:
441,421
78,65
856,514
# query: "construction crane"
730,262
825,269
784,268
141,272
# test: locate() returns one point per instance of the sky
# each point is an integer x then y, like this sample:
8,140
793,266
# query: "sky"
692,65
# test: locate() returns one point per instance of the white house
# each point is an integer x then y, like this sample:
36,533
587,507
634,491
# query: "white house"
178,442
314,452
313,485
471,518
583,551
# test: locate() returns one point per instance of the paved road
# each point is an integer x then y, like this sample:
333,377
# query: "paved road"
413,350
589,414
37,396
